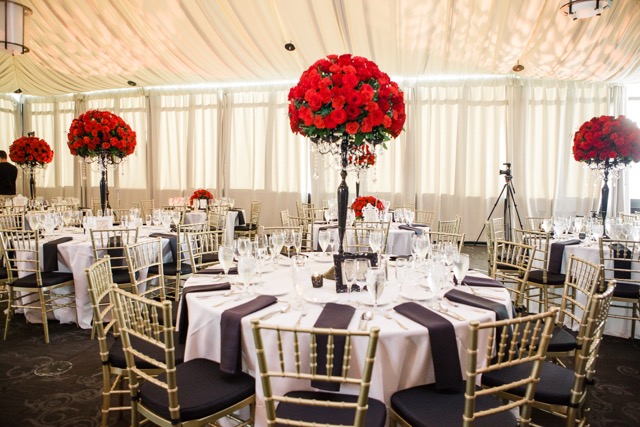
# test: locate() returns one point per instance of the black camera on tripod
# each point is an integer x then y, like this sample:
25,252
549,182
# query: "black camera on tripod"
507,172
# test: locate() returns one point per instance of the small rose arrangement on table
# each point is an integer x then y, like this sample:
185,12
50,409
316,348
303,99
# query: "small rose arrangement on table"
607,142
30,152
200,194
360,202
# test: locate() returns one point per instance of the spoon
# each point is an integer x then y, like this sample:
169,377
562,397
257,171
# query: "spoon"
283,309
388,316
366,316
444,310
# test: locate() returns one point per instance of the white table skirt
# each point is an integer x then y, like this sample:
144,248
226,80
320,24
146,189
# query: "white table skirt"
233,219
403,357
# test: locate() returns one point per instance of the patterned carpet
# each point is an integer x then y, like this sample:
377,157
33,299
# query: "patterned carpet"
73,398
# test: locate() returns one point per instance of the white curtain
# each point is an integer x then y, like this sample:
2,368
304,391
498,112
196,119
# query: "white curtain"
237,143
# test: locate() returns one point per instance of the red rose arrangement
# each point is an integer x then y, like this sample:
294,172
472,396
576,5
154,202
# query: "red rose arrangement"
30,151
96,133
346,95
362,201
607,141
200,194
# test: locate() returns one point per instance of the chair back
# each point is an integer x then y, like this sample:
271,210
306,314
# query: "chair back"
254,217
497,229
425,217
145,323
293,355
511,266
512,342
12,221
99,285
203,248
217,217
194,227
534,223
284,218
141,257
580,285
539,240
450,226
112,242
19,246
358,237
457,240
305,225
620,259
627,218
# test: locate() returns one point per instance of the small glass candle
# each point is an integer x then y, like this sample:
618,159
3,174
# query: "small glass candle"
316,280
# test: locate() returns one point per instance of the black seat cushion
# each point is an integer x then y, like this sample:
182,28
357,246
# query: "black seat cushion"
171,269
3,273
210,258
202,390
49,278
626,290
536,276
561,340
116,353
554,386
424,406
376,413
245,227
120,276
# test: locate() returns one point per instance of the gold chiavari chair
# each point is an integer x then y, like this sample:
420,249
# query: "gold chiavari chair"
12,221
357,236
250,228
457,240
511,266
450,226
112,242
425,217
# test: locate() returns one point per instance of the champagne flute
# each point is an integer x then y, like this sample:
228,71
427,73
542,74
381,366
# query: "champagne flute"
362,265
375,284
297,241
300,275
323,240
333,239
349,274
289,241
225,257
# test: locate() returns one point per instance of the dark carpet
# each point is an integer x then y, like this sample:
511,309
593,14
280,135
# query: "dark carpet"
73,398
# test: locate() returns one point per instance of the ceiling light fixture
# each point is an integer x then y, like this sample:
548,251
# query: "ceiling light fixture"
518,67
13,26
132,83
581,9
290,47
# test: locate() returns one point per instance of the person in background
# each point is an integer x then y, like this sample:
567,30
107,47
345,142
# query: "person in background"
8,175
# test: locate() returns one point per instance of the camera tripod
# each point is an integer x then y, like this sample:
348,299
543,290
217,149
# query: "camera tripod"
509,204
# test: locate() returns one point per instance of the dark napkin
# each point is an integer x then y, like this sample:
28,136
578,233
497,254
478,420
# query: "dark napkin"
231,332
416,230
328,227
444,350
556,252
50,253
621,254
481,281
173,243
183,321
217,270
240,215
336,316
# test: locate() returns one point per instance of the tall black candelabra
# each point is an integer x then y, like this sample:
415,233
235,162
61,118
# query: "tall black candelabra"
604,203
343,193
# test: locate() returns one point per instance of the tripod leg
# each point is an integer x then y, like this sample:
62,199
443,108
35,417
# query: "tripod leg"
504,187
513,199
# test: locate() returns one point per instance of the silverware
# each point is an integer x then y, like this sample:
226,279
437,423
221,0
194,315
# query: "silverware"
304,313
388,316
364,320
451,314
466,307
227,300
283,309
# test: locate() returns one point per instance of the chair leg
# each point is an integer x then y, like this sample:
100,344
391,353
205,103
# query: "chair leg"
10,312
43,314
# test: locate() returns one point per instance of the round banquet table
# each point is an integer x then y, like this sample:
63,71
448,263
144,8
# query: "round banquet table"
403,357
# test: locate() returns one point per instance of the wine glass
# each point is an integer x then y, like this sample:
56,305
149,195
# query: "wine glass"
323,240
34,221
148,219
333,239
375,278
66,217
460,266
225,257
375,240
247,272
277,243
289,240
166,220
243,246
300,275
409,216
49,224
124,221
362,265
349,275
175,218
297,241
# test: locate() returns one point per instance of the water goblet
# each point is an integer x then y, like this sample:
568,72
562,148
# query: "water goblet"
289,240
247,272
375,240
460,266
148,219
124,221
277,241
349,275
323,240
225,257
175,218
375,279
166,220
243,246
362,265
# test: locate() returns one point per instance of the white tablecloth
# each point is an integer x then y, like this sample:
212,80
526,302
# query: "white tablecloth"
403,357
233,219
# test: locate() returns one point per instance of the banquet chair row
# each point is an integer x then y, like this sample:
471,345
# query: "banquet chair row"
29,288
12,221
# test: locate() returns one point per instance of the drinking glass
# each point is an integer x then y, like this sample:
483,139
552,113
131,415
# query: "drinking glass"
375,284
333,239
34,221
460,266
247,272
597,231
124,221
166,219
635,233
277,243
49,224
546,225
289,241
149,219
375,240
243,246
362,265
437,280
66,217
323,240
409,216
349,275
297,241
175,218
225,257
301,275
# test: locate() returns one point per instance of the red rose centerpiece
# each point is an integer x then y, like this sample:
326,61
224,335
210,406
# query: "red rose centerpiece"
360,202
607,144
103,137
30,153
200,194
342,103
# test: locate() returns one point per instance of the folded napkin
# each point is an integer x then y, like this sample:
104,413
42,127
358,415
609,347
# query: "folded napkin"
444,350
555,254
173,243
217,270
231,332
328,227
481,281
416,230
50,253
335,316
183,321
240,215
620,265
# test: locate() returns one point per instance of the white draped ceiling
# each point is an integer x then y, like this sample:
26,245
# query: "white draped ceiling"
87,45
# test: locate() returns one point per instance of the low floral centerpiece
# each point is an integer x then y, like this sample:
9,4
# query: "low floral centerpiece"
360,202
200,194
103,137
607,144
30,152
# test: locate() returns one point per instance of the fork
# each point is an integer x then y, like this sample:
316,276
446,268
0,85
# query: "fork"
304,313
453,304
444,310
281,310
388,316
227,300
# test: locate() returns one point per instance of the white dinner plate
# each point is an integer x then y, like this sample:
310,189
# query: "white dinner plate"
366,299
323,258
321,298
272,291
416,293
